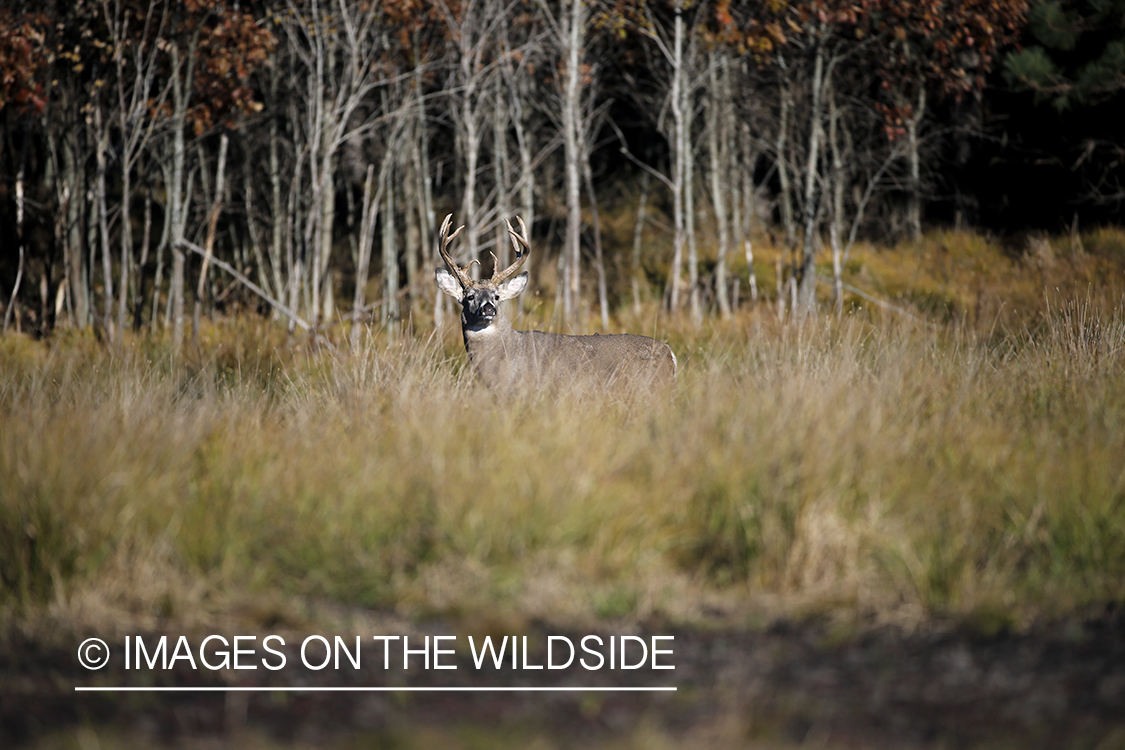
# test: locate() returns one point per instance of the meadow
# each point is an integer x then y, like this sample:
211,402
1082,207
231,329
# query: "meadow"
959,459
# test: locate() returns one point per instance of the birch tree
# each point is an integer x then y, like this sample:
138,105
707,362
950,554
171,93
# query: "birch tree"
472,26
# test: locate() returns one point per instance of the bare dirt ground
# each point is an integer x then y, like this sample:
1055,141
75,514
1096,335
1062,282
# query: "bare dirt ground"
792,685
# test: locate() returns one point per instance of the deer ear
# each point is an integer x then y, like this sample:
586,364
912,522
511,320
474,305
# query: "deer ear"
449,284
513,287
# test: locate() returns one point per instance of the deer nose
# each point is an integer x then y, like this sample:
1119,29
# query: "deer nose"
488,310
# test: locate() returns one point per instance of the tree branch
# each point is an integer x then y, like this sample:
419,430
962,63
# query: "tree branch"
188,245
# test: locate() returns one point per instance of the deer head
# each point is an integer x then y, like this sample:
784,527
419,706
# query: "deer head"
480,299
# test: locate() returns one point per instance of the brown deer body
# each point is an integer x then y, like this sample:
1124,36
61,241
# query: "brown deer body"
508,361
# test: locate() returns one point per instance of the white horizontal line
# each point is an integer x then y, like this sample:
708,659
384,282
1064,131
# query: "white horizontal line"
289,689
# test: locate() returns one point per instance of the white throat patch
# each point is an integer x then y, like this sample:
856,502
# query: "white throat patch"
485,332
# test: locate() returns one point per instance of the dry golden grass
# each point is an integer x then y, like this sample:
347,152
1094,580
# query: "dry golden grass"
869,466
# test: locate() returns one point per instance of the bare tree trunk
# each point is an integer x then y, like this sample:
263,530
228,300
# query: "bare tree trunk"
101,136
90,208
470,39
320,156
46,319
12,301
412,217
390,254
753,280
327,224
599,260
209,242
746,207
55,180
294,256
146,243
332,115
679,149
741,189
689,211
469,201
791,285
363,261
126,246
277,225
264,276
77,271
426,206
837,181
741,161
165,234
13,304
638,231
720,172
914,207
807,271
785,105
779,270
572,103
498,116
527,169
177,201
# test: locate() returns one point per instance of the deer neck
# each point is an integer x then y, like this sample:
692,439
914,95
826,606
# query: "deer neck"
494,351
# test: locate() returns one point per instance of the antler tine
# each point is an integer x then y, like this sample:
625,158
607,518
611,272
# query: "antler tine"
521,254
443,248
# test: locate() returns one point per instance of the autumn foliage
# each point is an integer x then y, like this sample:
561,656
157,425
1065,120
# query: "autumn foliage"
948,47
231,46
22,58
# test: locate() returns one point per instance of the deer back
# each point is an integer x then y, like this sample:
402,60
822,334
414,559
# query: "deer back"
512,362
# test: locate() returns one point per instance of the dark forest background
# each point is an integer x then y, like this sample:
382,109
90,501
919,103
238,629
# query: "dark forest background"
160,161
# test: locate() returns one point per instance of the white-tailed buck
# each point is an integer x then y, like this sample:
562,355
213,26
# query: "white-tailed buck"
620,366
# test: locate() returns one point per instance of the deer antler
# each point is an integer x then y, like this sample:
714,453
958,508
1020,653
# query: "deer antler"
443,247
498,276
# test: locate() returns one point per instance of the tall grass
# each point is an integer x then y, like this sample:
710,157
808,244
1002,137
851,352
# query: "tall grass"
861,466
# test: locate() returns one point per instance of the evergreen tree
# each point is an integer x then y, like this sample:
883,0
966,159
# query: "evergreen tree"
1079,54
